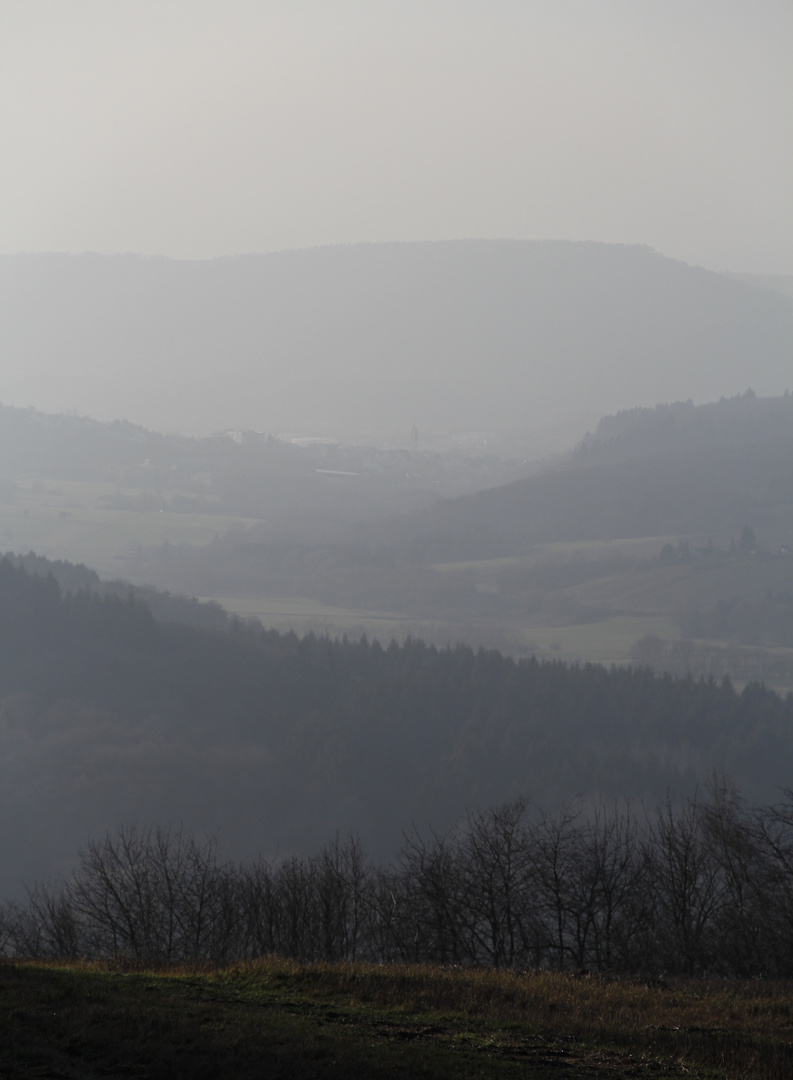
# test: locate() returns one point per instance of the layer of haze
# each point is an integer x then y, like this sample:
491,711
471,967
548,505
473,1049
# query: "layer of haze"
194,129
524,341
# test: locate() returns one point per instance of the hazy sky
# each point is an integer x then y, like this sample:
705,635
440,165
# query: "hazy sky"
193,128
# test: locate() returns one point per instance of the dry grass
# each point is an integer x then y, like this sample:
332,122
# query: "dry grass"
385,1020
666,1016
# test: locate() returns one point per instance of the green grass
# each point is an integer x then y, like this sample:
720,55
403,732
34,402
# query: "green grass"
606,642
566,550
281,1019
66,520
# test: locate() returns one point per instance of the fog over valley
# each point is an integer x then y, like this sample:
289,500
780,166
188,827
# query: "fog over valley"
523,344
661,542
396,491
400,445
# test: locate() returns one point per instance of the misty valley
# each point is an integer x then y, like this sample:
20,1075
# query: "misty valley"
663,538
398,637
384,644
396,540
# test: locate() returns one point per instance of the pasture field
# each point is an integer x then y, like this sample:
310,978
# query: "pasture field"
645,589
644,547
605,642
281,1019
675,589
67,520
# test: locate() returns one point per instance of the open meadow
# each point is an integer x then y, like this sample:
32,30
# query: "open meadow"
282,1019
79,522
607,641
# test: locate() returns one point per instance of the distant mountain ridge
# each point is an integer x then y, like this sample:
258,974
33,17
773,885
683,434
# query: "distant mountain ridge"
525,340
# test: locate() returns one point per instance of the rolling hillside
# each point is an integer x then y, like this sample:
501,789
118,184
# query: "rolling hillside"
107,716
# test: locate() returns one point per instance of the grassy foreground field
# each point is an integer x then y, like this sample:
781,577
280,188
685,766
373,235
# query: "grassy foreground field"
280,1019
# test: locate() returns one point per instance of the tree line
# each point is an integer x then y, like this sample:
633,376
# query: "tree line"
697,886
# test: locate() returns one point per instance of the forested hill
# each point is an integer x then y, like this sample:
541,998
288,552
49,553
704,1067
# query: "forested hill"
165,607
107,716
676,470
731,424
